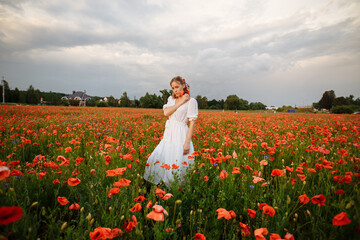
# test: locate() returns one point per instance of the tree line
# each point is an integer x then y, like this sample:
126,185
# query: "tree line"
35,96
335,104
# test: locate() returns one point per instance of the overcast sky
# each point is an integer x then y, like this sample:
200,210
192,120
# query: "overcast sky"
278,52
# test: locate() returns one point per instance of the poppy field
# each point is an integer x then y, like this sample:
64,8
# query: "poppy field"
76,173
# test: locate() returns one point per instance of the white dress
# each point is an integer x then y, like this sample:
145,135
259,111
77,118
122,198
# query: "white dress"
169,152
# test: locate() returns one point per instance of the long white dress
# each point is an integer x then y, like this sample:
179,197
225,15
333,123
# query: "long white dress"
169,152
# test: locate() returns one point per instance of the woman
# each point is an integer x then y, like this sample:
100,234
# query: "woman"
170,157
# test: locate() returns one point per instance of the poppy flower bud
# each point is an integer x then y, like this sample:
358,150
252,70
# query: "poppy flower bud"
294,219
43,211
110,208
296,215
122,217
191,212
92,221
29,229
82,209
34,203
177,202
308,212
63,226
11,189
288,201
304,182
88,217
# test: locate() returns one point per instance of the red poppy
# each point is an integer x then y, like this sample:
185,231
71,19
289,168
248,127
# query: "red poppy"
318,199
303,199
302,177
236,170
74,206
159,192
339,191
252,213
150,203
292,181
341,219
223,174
223,213
4,172
289,169
101,233
115,172
268,211
139,199
68,149
259,233
62,200
73,181
122,183
206,178
157,214
167,196
79,159
113,191
132,224
56,181
245,229
275,236
116,232
277,172
249,168
184,163
199,236
10,214
262,205
289,236
136,208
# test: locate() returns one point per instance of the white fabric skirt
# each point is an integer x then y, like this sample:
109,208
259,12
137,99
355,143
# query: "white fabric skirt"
169,151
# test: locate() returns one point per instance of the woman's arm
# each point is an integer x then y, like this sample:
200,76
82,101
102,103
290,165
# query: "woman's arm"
170,110
188,137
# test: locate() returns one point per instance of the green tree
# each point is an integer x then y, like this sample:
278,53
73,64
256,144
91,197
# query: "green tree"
165,95
124,100
202,102
15,95
112,101
257,106
32,95
327,99
7,91
151,101
340,101
232,102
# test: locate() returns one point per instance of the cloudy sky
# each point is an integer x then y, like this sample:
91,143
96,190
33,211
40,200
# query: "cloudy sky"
279,52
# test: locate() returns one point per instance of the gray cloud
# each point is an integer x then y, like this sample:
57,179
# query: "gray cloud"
255,49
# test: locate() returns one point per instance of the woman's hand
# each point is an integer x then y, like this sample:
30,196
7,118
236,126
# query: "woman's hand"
184,98
186,148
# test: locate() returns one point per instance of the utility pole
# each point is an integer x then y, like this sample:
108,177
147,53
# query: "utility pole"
3,82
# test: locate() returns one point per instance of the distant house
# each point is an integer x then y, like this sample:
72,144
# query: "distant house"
77,96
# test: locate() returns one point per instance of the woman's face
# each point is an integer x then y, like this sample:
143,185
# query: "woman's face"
177,88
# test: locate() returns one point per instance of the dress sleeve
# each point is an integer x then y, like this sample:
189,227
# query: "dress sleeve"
192,112
170,102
